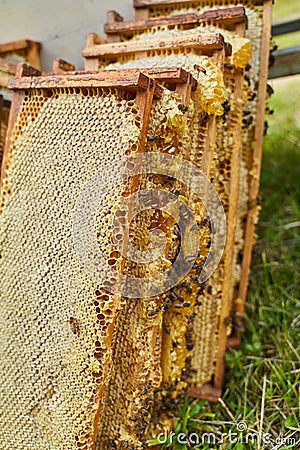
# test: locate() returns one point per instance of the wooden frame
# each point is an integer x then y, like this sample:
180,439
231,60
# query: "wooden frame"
9,68
134,81
212,391
183,84
256,165
60,66
207,44
143,7
116,29
30,50
29,78
219,54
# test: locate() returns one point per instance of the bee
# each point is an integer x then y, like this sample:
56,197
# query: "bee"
183,108
247,78
248,67
200,69
174,296
252,97
239,322
152,138
247,122
175,344
228,66
182,305
252,203
270,90
74,325
228,321
154,312
187,287
191,318
205,118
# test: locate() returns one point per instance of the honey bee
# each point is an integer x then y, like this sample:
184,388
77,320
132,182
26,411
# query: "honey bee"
200,69
74,325
183,108
154,312
152,138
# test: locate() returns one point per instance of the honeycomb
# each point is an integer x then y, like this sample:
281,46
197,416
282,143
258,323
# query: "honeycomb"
241,49
206,322
248,167
142,324
56,323
211,86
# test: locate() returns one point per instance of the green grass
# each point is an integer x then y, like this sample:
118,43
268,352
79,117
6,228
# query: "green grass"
287,40
285,8
263,376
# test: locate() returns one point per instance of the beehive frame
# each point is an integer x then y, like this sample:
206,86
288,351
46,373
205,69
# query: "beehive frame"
28,50
7,70
143,7
232,19
209,45
116,29
144,11
219,57
253,202
29,80
235,20
134,318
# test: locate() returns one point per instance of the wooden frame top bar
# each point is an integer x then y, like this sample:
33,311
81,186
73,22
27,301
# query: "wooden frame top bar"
16,46
163,3
128,79
206,43
132,81
227,16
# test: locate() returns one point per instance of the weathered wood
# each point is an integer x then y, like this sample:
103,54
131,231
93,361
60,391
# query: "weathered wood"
227,16
163,3
286,62
129,79
16,105
61,66
7,66
230,232
257,156
30,50
102,79
95,39
205,43
286,26
15,46
113,17
24,70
